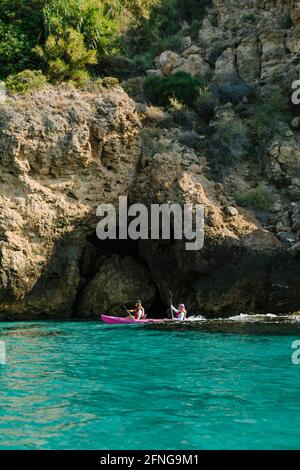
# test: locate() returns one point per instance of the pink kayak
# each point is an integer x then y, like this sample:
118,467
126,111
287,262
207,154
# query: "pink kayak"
129,320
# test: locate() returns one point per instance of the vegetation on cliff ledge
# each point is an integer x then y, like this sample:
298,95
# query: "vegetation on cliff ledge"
44,34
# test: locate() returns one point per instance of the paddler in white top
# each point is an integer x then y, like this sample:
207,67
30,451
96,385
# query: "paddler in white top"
180,312
139,311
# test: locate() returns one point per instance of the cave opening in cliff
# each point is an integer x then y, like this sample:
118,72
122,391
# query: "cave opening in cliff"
95,251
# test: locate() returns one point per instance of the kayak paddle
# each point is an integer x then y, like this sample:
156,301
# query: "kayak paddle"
128,312
171,303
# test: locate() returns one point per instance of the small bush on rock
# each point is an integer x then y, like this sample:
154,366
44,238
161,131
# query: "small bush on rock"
191,139
181,85
150,145
285,21
205,105
259,198
134,87
184,118
228,144
66,57
233,90
26,81
154,114
110,82
268,115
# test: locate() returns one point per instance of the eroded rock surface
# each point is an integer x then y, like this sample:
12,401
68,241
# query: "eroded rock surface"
62,153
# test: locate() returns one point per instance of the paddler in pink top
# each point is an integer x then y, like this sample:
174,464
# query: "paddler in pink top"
139,311
180,312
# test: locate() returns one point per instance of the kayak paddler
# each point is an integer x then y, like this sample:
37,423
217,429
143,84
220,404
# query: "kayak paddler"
180,312
138,311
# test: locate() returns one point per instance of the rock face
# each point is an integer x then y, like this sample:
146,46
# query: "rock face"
119,281
283,160
248,60
170,62
256,40
61,153
76,150
242,267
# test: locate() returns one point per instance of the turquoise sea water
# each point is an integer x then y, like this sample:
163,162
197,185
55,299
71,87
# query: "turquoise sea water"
94,386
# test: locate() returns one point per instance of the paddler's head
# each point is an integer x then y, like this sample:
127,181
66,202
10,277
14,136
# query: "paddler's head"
138,303
181,307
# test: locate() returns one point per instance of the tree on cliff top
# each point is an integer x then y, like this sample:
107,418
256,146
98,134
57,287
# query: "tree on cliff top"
25,24
158,24
67,57
99,21
21,28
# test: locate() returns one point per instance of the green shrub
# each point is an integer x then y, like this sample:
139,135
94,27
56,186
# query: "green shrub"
21,27
67,58
99,21
216,50
227,145
150,145
258,198
213,18
175,43
110,82
93,86
25,24
191,139
205,105
113,66
184,117
232,90
268,114
26,81
123,67
181,85
194,29
140,63
250,17
160,19
285,21
134,87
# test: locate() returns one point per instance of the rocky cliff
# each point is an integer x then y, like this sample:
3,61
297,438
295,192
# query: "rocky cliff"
63,152
256,40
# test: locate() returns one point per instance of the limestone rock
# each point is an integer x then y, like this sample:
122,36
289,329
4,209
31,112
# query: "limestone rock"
293,40
274,58
248,60
283,160
225,64
154,73
295,13
167,60
119,281
287,238
62,153
194,65
192,50
232,211
187,42
212,41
